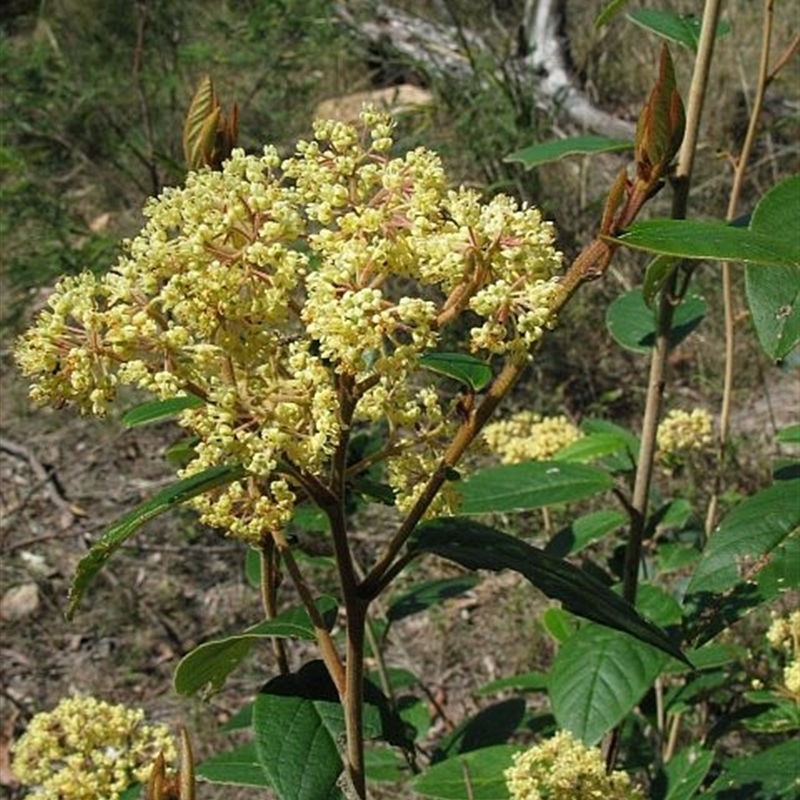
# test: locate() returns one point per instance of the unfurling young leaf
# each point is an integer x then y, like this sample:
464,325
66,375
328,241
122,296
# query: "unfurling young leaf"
208,135
659,132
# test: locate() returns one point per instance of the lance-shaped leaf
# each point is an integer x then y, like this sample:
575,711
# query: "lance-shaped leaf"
477,775
532,484
716,241
770,774
544,152
679,28
612,8
426,594
168,498
478,546
158,410
207,667
461,366
681,777
237,767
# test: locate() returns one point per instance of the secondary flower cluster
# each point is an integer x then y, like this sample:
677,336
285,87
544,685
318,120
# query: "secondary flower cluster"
527,436
563,768
784,634
683,432
86,748
294,297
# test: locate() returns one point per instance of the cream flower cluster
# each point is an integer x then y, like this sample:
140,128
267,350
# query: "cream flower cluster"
682,432
527,436
784,634
295,297
563,768
86,748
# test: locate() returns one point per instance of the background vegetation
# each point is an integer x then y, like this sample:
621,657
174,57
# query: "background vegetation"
93,98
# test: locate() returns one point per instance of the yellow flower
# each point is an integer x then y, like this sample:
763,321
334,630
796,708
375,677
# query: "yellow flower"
85,749
791,678
683,432
784,635
295,298
563,768
527,436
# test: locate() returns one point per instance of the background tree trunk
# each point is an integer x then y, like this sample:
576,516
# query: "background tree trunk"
448,51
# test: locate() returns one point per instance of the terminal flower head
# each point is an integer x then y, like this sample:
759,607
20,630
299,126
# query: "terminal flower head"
86,748
293,297
527,436
563,768
684,432
784,635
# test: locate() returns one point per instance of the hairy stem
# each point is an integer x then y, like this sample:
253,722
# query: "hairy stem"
666,309
354,694
270,575
327,648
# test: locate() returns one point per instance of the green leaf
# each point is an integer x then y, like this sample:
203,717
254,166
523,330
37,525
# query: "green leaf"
461,366
775,715
477,546
773,295
632,323
157,410
533,484
624,462
776,212
115,536
592,447
741,545
426,594
384,765
237,767
713,241
674,556
683,775
789,435
545,152
524,682
298,724
614,7
751,558
295,746
477,775
585,530
767,775
597,677
559,624
679,28
656,275
491,726
207,666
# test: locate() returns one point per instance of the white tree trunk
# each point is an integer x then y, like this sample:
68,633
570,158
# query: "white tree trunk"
441,50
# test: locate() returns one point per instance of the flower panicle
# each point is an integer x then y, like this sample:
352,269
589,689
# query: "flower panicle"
269,285
528,436
563,768
86,748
